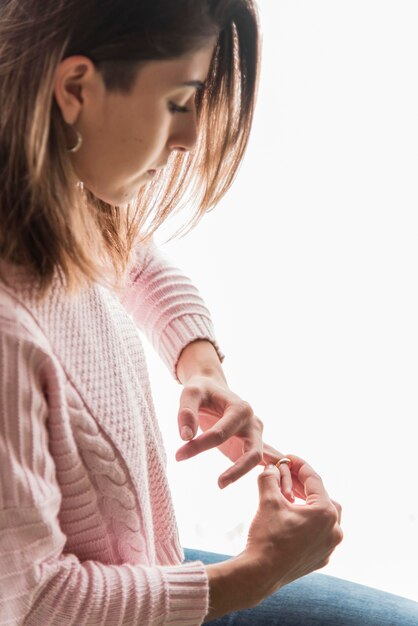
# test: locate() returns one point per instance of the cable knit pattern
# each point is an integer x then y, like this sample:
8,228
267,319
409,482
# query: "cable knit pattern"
88,534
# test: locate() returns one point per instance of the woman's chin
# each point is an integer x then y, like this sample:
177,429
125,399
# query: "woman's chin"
123,197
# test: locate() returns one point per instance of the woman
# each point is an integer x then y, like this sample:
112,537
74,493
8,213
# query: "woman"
113,111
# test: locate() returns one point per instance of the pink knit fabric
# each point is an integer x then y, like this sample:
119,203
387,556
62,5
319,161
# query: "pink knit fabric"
88,534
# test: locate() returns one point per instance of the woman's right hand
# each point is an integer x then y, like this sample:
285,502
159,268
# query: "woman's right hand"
285,541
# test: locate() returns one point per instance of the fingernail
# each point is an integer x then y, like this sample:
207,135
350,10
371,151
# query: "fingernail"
270,466
186,433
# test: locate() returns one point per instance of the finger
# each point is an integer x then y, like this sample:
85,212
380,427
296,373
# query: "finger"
187,417
269,489
286,483
312,483
245,463
290,485
230,424
270,454
298,488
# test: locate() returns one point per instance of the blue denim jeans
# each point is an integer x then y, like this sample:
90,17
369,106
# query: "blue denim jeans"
318,600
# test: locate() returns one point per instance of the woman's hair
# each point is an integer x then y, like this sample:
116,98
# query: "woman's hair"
47,220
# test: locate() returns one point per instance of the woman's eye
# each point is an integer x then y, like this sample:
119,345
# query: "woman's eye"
175,108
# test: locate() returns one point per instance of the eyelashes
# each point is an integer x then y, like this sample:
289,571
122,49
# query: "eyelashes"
175,108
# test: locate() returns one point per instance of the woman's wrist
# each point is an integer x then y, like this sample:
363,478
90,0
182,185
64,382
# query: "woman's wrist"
199,358
234,585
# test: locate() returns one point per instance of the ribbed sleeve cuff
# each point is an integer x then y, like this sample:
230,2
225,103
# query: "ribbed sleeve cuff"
188,593
179,333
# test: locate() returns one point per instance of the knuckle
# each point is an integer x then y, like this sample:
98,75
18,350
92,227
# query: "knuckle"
245,408
220,435
327,514
268,501
262,477
259,424
316,476
330,513
193,391
257,456
339,536
266,475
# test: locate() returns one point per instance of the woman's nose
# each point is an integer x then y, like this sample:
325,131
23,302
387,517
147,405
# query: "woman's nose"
184,133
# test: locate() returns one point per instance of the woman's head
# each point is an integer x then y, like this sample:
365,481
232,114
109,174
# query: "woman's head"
127,138
114,71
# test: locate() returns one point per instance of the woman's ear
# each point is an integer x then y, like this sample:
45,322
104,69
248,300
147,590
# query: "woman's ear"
74,78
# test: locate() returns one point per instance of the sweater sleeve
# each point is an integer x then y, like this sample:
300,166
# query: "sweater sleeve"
39,582
166,306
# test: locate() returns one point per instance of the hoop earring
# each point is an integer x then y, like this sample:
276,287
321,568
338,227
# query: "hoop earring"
79,143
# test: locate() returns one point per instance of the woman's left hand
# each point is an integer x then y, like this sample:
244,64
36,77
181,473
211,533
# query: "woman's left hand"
228,423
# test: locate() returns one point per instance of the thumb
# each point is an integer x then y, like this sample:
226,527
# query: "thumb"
187,416
269,484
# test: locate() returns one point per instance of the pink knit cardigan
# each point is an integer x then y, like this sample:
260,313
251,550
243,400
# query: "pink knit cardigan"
88,534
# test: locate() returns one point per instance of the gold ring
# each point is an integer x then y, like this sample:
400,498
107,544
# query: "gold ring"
284,460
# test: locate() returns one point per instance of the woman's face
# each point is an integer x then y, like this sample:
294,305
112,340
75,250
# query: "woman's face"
126,138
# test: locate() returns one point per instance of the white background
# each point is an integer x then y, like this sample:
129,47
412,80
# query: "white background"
310,269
